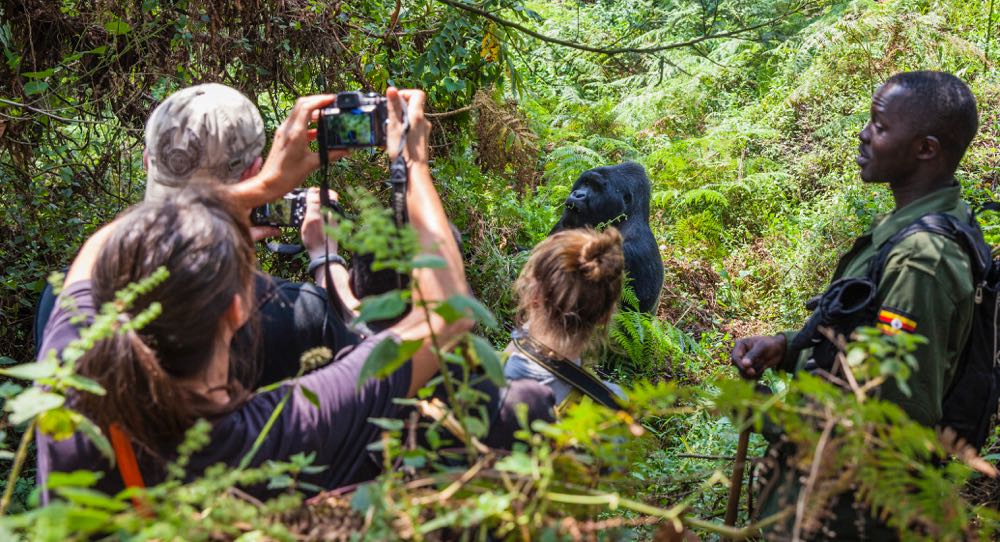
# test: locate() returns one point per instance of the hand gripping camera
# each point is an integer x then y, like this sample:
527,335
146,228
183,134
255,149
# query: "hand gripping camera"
356,120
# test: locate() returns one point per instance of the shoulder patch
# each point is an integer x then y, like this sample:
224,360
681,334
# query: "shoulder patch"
891,321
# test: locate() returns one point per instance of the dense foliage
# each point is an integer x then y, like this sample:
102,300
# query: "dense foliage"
745,115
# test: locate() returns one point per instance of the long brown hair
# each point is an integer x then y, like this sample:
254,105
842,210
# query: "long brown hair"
575,277
208,251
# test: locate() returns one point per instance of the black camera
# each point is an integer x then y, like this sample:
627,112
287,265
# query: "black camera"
357,120
288,212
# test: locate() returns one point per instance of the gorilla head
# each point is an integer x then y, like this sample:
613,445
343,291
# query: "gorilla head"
606,194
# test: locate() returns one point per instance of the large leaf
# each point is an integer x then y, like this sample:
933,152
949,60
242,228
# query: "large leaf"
31,403
457,307
32,371
381,307
117,28
77,478
386,357
91,498
488,359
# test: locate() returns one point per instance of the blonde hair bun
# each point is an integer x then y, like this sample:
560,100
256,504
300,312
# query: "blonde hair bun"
601,257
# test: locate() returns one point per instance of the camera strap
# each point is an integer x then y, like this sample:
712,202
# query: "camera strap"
326,204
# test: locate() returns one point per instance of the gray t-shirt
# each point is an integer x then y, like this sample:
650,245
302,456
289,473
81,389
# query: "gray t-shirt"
338,431
519,367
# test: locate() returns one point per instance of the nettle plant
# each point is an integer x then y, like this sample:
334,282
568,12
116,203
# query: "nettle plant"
441,482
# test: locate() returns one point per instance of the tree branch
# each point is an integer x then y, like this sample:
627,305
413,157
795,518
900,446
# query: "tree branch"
619,50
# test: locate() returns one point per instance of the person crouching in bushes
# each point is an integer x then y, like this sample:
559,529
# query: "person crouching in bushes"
182,366
567,291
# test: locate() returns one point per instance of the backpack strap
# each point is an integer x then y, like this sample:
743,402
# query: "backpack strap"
966,234
128,466
565,370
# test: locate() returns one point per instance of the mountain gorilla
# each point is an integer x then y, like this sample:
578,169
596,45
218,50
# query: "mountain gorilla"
620,195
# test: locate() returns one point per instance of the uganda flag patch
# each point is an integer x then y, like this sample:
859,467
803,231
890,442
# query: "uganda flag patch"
891,321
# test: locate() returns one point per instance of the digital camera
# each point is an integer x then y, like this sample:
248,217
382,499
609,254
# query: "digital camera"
357,120
288,212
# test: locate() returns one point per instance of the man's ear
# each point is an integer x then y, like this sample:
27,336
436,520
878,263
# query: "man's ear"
253,169
929,148
145,159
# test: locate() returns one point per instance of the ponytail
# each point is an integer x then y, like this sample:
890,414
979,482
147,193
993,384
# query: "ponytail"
151,406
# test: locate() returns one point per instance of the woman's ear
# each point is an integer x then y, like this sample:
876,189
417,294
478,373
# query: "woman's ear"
237,314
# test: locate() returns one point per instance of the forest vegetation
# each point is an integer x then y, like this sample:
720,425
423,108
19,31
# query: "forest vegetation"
745,115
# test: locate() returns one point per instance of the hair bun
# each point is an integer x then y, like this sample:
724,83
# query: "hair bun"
602,258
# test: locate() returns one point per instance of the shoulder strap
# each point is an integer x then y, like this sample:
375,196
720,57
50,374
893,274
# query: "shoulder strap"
567,371
966,235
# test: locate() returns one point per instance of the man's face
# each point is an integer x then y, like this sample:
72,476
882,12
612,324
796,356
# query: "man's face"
889,143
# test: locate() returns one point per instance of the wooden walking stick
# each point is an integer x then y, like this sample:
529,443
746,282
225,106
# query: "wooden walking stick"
736,482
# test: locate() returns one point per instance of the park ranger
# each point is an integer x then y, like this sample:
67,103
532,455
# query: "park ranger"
921,124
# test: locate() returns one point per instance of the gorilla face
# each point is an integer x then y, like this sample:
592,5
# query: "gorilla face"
596,199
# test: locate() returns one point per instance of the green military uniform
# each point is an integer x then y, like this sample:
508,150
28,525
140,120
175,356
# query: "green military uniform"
927,289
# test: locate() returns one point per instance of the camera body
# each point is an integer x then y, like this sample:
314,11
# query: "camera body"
288,212
357,120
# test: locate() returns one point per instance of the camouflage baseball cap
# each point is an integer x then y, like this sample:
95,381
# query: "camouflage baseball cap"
202,134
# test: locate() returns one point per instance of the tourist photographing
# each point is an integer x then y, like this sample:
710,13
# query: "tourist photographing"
183,366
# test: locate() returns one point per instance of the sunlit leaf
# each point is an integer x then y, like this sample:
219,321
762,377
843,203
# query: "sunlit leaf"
381,307
31,403
488,359
31,371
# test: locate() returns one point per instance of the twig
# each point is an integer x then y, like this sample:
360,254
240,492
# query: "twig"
620,50
46,113
450,113
811,482
15,469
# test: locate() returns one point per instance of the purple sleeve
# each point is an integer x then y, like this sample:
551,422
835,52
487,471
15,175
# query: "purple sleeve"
60,329
338,431
59,332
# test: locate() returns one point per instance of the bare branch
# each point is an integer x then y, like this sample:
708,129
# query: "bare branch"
640,50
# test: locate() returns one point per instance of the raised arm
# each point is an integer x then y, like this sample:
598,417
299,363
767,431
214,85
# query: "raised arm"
290,159
427,217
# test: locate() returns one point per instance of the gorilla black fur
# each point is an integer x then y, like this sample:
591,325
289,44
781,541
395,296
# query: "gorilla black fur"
619,195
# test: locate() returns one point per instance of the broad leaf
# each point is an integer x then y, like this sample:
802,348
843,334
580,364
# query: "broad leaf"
488,359
117,28
77,478
381,307
91,498
31,403
460,306
386,357
32,371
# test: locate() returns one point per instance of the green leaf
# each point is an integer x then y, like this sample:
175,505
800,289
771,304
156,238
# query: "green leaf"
389,424
309,395
117,28
31,403
38,75
381,307
32,371
35,87
59,423
474,426
90,498
92,432
4,360
84,384
429,261
77,478
363,497
460,306
488,359
386,357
